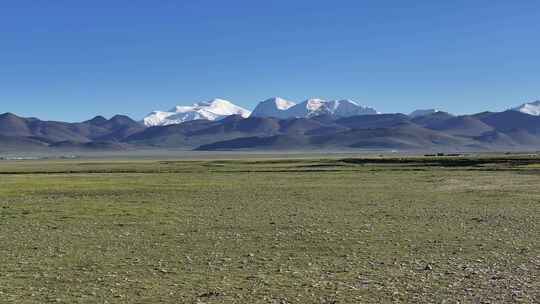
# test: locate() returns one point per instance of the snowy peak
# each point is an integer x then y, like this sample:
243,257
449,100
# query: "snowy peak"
314,104
531,108
221,107
214,109
281,104
272,107
347,107
277,102
276,107
423,112
339,108
306,108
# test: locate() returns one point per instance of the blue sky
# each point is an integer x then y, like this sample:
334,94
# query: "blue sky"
71,60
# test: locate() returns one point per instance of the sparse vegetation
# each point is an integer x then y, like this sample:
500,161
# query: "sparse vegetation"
410,230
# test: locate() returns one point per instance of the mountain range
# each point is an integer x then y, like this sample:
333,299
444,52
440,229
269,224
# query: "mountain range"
281,108
212,110
279,124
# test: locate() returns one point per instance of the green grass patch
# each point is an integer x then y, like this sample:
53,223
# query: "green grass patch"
269,231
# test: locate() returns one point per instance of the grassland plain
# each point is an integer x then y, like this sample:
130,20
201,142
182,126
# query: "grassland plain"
270,231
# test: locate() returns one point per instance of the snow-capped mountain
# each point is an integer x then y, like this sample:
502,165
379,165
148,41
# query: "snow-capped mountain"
273,107
212,110
531,108
347,107
280,108
338,108
307,108
423,112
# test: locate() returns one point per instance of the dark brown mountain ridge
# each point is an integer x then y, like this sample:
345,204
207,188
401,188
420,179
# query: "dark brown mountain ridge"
509,130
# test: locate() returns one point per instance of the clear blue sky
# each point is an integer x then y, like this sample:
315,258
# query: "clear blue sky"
70,60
